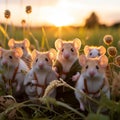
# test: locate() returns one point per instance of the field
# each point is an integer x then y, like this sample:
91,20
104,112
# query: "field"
42,39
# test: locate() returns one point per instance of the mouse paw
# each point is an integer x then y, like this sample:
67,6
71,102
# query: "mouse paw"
34,82
82,107
76,77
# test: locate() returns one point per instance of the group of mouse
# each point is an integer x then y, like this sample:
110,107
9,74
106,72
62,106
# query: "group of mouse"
31,72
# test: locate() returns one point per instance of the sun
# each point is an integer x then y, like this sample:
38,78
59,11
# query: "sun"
59,18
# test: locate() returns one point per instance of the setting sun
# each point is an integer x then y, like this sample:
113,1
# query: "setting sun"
60,18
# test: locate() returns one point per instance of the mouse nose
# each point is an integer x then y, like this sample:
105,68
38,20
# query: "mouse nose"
91,73
41,65
67,56
4,62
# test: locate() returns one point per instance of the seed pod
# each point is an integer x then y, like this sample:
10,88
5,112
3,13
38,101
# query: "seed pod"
108,39
23,21
112,51
28,9
117,60
7,14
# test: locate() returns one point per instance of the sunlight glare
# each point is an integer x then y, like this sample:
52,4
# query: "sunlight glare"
60,19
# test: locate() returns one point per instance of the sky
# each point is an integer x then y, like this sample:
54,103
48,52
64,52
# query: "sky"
60,12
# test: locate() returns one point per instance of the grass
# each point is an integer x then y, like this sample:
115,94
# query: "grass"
43,38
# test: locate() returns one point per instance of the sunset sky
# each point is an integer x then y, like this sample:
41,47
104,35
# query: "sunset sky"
60,12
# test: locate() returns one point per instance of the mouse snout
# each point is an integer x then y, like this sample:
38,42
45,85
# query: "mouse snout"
91,73
4,62
66,55
41,64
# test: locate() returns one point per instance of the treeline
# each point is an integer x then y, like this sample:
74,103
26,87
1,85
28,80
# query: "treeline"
93,21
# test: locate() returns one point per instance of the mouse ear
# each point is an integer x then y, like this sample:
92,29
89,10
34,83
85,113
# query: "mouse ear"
82,60
26,43
34,54
58,44
87,50
11,43
103,61
52,54
77,43
102,50
18,52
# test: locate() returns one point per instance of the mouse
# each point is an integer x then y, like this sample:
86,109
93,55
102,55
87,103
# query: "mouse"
14,69
24,45
41,74
92,80
67,64
67,67
94,51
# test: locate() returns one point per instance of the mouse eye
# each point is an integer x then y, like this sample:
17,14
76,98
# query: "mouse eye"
62,50
90,54
72,49
86,67
97,67
10,57
22,47
46,59
98,54
36,59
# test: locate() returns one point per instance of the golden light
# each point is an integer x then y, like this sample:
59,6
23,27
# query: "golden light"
60,18
57,15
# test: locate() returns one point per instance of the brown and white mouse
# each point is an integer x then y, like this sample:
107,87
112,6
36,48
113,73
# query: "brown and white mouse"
92,80
94,51
41,74
67,65
24,45
14,68
68,68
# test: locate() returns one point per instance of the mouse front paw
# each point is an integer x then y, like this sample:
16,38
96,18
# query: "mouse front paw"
76,77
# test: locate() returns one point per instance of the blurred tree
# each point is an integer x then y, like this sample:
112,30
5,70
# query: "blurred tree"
92,21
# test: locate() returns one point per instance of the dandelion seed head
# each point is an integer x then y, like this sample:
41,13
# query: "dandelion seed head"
28,9
117,60
112,51
23,22
108,39
7,14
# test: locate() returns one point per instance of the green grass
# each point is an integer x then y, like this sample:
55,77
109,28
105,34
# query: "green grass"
44,38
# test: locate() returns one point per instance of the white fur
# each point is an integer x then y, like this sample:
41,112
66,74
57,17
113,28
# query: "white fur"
20,75
94,82
44,73
93,85
94,53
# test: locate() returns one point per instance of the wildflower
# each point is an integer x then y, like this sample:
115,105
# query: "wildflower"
112,51
28,9
117,60
7,14
23,22
108,39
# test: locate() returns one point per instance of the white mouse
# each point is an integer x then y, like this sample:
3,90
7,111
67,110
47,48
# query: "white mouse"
41,74
92,79
24,45
14,68
94,51
67,63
